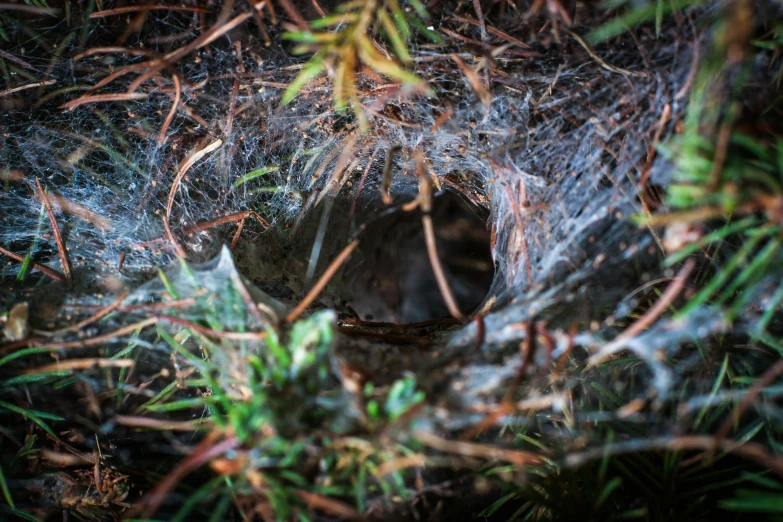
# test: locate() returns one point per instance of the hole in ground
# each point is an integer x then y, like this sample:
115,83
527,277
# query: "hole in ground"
390,276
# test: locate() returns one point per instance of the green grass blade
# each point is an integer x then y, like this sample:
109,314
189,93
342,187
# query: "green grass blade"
6,491
33,416
253,174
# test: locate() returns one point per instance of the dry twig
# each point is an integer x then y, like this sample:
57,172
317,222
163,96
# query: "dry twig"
61,249
321,283
184,169
57,276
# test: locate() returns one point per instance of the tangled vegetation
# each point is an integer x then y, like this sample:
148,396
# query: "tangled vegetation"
391,260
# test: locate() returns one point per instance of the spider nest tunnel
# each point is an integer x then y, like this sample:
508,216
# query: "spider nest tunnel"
390,260
389,277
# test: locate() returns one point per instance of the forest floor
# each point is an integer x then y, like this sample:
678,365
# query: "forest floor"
391,260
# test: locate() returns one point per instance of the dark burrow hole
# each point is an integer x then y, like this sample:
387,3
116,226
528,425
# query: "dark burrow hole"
390,277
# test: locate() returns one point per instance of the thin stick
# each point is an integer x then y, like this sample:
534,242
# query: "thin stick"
27,86
45,11
136,8
185,167
649,317
19,61
57,276
158,424
177,248
500,170
686,87
235,239
92,341
386,181
361,182
493,30
482,23
232,108
207,450
767,378
93,318
211,35
749,450
172,111
297,17
80,211
321,283
469,449
328,505
507,403
448,113
319,8
114,49
601,62
231,336
121,96
417,460
475,82
665,115
58,238
721,151
180,303
239,216
80,364
206,225
425,198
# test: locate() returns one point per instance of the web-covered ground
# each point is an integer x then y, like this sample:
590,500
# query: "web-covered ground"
550,145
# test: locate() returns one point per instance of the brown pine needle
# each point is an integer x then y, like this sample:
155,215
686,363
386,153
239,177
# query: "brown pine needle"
57,276
114,97
425,199
482,23
27,86
24,8
159,424
329,505
321,283
761,384
601,62
180,303
184,169
417,460
470,449
207,450
230,336
294,13
501,171
100,339
58,238
235,239
493,30
114,49
177,248
208,37
475,82
80,211
754,451
649,317
206,225
448,113
93,318
80,364
361,182
136,8
172,111
437,268
388,170
11,58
